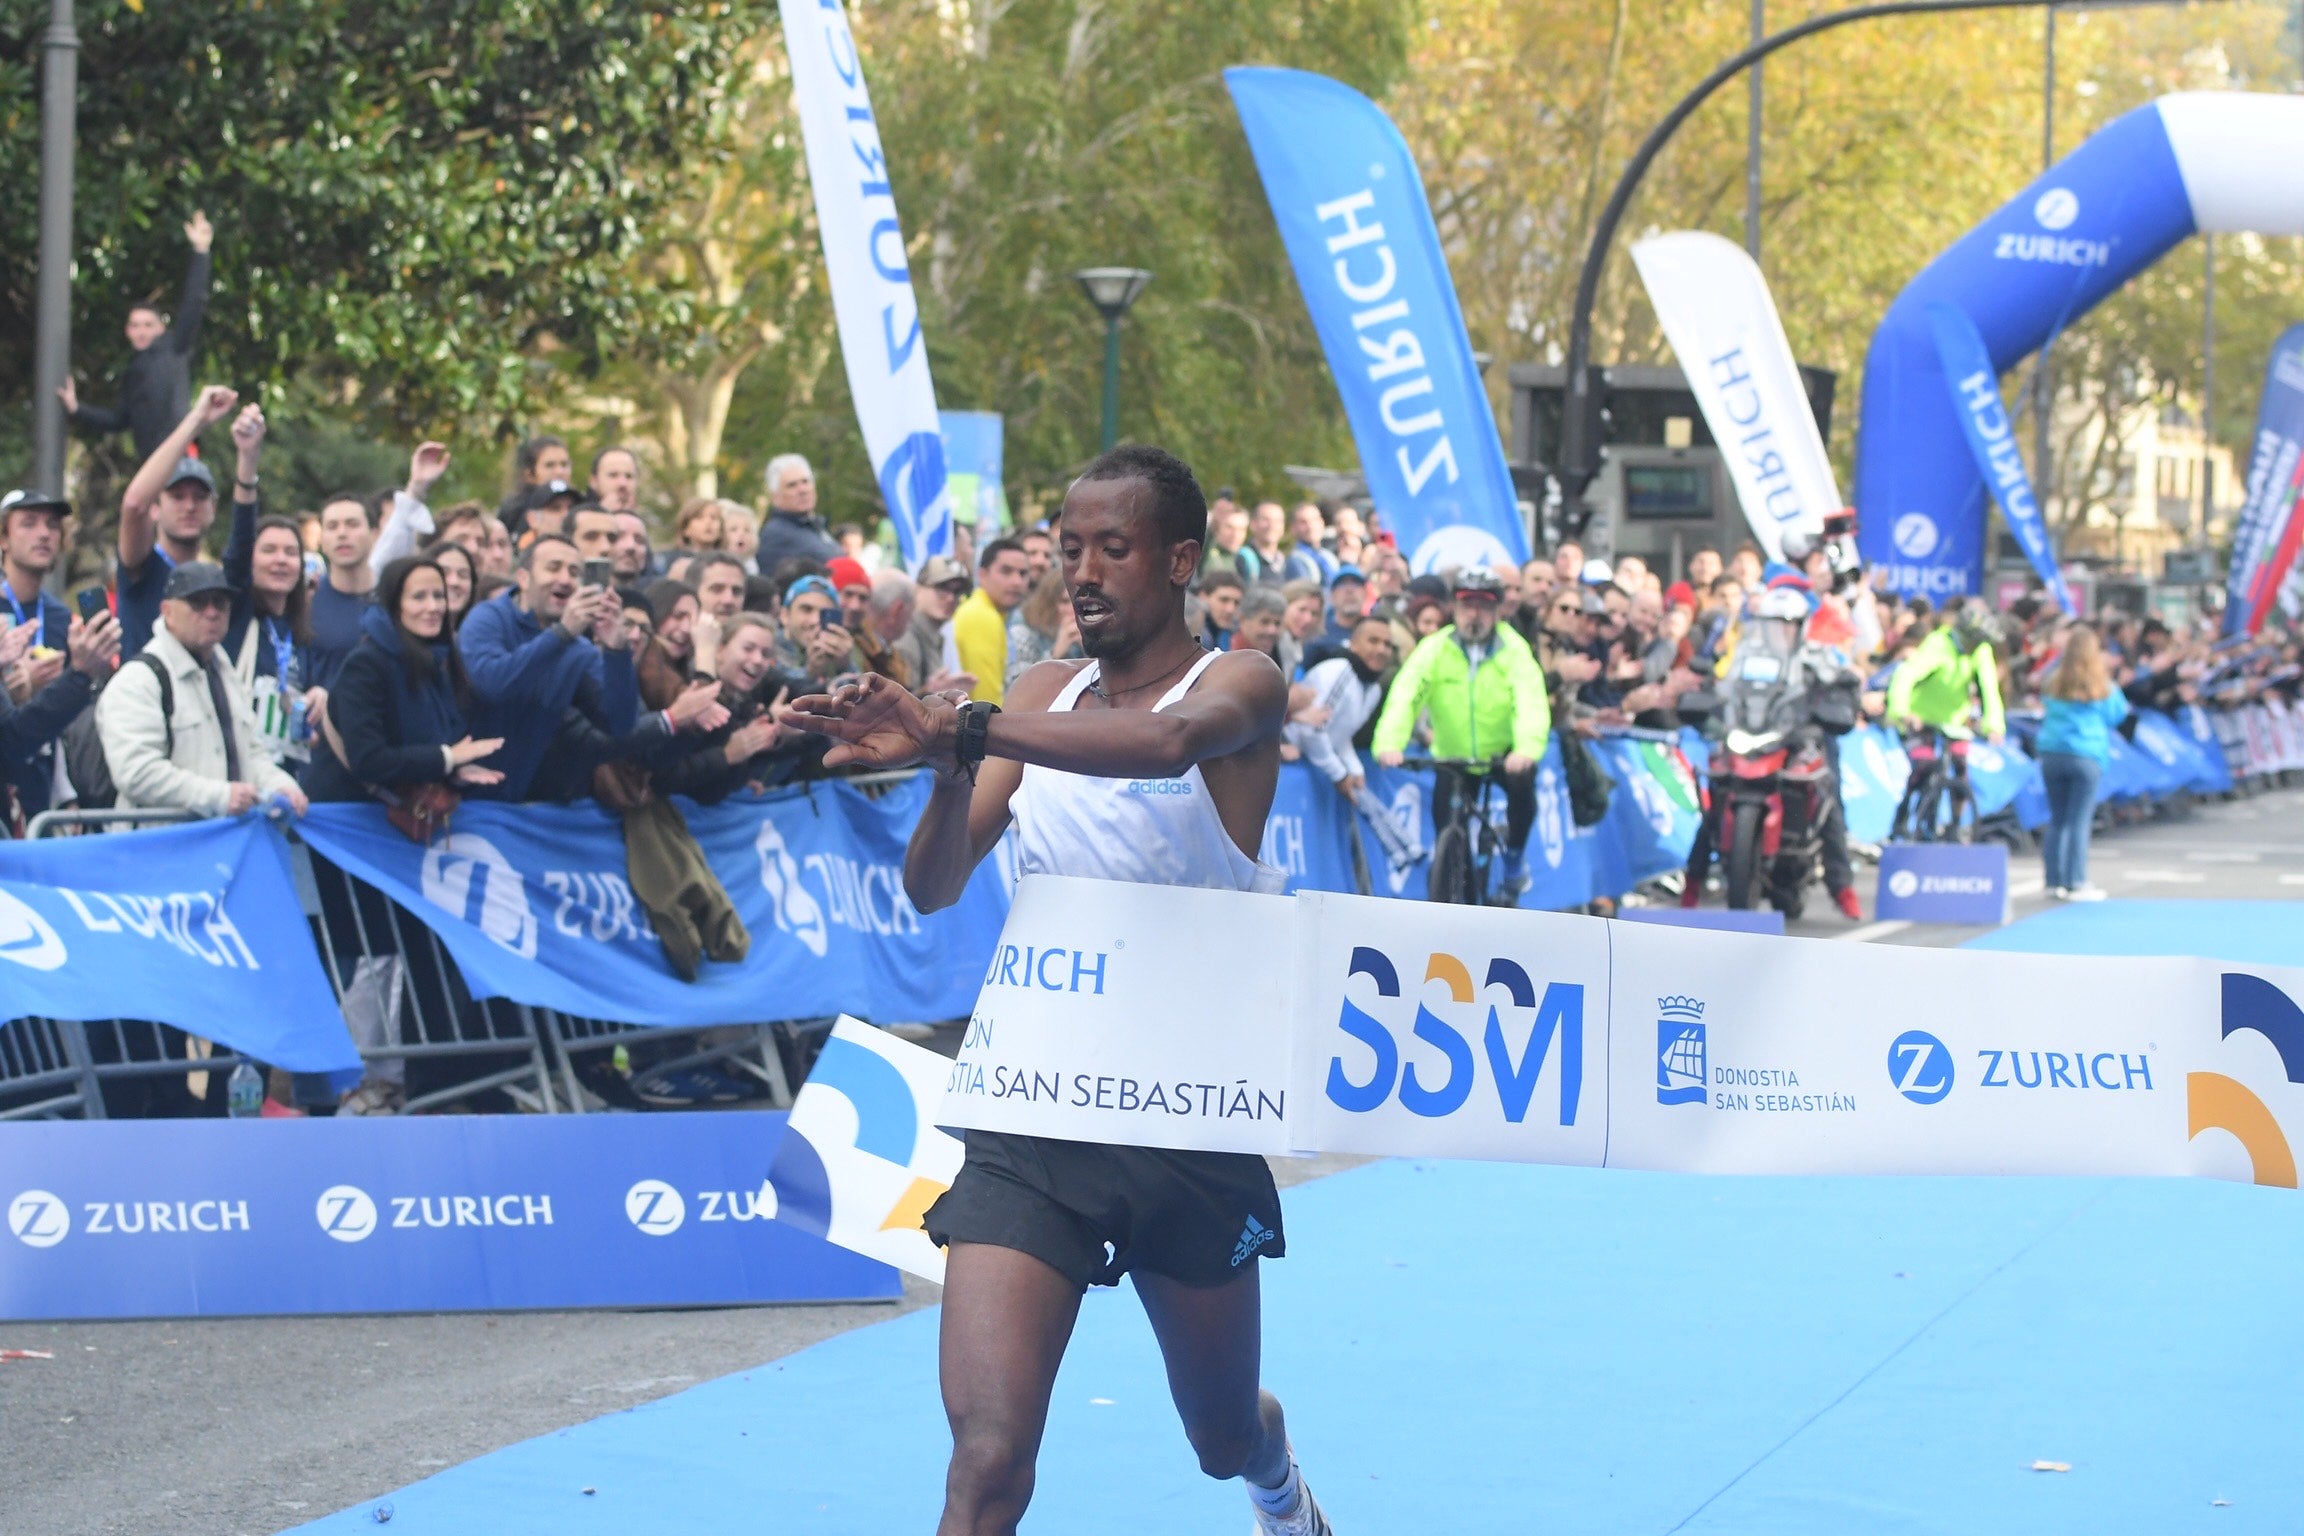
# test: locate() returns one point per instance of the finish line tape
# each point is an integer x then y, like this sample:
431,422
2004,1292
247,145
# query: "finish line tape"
1213,1020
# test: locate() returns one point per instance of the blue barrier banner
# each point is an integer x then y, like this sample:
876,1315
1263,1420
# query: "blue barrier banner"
2179,756
196,926
1306,835
1873,773
2002,776
2215,767
449,1213
1352,213
1975,386
2134,773
533,902
2275,484
1649,829
1653,816
1943,883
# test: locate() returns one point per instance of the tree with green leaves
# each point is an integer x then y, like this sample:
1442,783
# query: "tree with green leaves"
1024,141
414,199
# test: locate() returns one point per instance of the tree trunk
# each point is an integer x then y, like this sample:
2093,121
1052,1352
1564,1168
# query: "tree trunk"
698,419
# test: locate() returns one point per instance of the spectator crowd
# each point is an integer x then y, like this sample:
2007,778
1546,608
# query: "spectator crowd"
557,646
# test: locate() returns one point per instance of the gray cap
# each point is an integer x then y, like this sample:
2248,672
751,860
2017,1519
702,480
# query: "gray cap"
193,578
936,570
36,500
189,468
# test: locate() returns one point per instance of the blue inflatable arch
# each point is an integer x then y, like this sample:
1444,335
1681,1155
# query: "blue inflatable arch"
2193,163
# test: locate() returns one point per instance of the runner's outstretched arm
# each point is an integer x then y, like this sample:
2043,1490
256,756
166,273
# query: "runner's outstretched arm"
877,724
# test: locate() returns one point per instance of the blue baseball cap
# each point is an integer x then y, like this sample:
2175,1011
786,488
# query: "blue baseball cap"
815,584
1346,573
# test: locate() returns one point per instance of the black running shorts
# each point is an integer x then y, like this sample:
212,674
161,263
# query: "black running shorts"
1095,1212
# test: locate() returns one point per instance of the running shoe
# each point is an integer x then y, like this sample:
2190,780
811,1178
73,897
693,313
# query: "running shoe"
1306,1521
702,1087
2085,893
1850,907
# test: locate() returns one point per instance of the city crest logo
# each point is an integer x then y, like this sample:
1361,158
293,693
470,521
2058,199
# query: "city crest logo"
1680,1071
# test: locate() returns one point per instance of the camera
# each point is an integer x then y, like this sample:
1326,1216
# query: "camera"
1840,549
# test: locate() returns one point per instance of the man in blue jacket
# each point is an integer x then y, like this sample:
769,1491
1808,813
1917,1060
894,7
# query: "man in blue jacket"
544,649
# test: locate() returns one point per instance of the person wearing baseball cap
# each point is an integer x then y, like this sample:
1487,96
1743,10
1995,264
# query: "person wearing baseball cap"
1347,604
165,515
547,510
69,658
926,649
179,731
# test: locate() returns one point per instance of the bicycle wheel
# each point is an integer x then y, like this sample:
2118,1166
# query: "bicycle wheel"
1450,878
1740,861
1960,820
1927,813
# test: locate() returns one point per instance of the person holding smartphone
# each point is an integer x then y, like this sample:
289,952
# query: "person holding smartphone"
548,663
57,686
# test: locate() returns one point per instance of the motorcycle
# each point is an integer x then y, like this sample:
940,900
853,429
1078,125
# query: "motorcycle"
1771,776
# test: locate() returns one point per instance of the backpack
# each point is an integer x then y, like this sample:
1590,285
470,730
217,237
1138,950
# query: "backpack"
1588,783
84,764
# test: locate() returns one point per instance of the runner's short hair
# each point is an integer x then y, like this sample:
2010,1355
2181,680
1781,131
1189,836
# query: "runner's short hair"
1178,504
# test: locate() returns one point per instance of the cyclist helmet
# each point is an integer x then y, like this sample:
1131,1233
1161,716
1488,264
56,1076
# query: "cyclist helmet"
1479,582
1798,547
1975,625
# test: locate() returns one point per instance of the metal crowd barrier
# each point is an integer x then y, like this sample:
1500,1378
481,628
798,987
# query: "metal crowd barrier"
414,1021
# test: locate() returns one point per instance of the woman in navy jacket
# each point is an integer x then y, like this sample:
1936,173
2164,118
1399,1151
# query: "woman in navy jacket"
400,701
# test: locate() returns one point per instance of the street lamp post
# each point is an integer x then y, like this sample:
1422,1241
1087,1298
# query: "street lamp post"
1112,290
1579,456
52,305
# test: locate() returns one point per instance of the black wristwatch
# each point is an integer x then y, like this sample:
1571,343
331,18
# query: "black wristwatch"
968,747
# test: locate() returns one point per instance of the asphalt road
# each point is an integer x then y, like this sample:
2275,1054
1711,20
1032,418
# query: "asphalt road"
205,1428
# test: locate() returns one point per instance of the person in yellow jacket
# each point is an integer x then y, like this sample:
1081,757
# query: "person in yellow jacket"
1485,693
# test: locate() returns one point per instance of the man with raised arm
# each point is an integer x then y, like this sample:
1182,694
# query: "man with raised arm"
1031,1223
156,386
164,515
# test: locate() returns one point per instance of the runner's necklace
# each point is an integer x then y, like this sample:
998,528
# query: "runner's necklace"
1096,685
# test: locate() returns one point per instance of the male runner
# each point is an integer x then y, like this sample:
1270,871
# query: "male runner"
1029,1222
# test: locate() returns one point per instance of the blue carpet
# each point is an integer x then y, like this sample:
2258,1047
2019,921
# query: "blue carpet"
1475,1348
2251,932
1480,1348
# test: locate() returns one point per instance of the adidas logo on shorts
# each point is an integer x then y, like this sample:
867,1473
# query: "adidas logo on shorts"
1252,1237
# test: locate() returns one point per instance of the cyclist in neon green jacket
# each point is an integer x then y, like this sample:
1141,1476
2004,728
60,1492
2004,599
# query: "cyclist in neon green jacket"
1948,676
1485,693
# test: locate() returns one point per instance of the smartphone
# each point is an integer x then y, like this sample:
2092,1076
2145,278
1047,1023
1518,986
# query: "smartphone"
92,602
597,573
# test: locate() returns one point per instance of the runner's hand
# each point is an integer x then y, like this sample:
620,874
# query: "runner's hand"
1391,759
877,724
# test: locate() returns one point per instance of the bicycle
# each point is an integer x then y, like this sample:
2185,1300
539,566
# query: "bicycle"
1939,804
1465,849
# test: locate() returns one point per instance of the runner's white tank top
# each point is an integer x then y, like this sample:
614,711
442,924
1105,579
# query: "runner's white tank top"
1149,831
